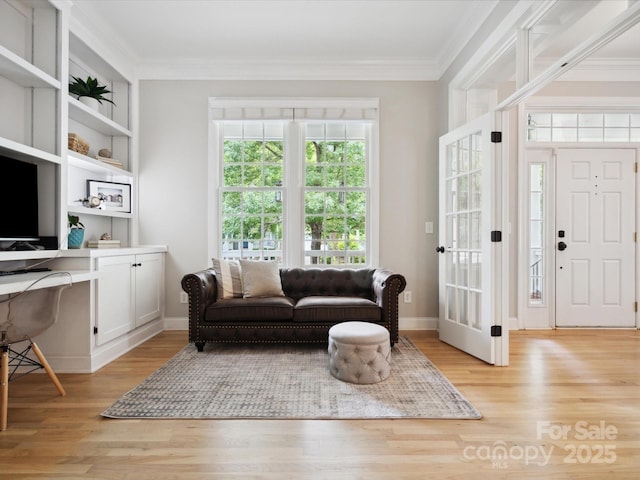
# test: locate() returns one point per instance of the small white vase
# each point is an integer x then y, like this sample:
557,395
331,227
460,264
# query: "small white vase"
90,102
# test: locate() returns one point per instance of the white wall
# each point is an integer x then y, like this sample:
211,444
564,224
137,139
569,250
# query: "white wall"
173,174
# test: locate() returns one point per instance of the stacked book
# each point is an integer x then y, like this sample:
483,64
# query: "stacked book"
103,243
110,161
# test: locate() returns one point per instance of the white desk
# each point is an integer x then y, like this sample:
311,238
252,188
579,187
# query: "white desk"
19,282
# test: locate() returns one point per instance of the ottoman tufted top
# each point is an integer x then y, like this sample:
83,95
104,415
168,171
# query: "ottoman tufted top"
359,333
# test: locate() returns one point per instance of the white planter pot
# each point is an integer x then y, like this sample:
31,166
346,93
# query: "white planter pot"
90,102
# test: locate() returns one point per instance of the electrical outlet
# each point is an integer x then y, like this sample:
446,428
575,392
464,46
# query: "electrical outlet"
184,298
408,297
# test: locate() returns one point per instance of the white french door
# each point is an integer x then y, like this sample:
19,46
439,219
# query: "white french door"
470,250
595,237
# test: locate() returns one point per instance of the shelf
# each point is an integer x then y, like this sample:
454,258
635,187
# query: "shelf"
95,120
87,163
79,209
24,152
18,70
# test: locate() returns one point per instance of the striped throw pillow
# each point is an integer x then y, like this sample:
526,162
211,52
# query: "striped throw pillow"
228,278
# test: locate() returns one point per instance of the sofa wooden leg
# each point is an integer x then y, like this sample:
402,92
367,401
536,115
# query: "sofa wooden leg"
200,346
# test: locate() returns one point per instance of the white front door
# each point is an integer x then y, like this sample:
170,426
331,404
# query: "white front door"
469,283
595,238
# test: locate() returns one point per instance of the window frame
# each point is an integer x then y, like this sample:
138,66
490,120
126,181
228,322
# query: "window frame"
294,182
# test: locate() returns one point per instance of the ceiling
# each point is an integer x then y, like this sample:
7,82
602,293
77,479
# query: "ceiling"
423,35
304,39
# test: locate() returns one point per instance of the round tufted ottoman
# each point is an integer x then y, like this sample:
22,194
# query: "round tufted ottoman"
359,352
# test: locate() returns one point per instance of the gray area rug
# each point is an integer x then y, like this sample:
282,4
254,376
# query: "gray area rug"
288,381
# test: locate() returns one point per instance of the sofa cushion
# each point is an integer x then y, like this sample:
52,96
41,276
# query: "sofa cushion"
260,279
298,283
250,310
336,309
228,278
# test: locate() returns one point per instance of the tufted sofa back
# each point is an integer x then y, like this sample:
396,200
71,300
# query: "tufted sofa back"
304,282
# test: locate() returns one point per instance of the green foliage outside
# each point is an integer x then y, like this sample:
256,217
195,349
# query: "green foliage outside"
334,218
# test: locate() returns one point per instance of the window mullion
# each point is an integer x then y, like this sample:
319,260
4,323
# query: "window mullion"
293,194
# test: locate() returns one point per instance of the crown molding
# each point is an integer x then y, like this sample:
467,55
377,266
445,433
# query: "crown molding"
285,69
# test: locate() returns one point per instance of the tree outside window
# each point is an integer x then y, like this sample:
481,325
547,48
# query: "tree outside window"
256,186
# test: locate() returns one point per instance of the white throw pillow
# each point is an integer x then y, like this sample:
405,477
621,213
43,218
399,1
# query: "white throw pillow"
260,279
228,278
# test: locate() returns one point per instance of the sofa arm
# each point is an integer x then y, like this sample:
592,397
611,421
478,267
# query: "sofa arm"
202,290
387,287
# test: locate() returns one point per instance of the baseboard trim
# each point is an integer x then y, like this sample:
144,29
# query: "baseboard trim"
176,323
418,323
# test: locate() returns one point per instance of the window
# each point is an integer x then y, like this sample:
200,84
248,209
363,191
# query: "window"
583,127
335,195
251,198
296,184
536,234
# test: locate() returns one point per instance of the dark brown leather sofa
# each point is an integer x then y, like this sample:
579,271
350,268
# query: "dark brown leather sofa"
315,300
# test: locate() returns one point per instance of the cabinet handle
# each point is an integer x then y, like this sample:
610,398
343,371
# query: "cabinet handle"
136,265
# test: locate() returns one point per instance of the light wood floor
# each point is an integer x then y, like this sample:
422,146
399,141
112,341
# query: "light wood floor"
558,381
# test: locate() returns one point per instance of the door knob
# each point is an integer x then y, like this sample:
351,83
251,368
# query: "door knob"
440,249
562,246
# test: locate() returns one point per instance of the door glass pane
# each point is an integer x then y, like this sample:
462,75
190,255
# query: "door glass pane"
452,160
476,191
536,232
451,195
452,232
463,192
463,316
463,231
463,269
475,230
450,268
463,235
475,277
451,313
463,163
475,309
476,155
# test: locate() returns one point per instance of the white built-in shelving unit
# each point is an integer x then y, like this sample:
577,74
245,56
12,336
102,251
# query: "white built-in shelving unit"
39,53
118,298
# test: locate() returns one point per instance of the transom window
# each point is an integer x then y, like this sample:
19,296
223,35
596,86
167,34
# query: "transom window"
296,190
583,127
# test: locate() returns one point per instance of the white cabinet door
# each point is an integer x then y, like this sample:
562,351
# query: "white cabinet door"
114,297
148,299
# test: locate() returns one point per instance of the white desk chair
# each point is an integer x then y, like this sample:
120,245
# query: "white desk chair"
22,317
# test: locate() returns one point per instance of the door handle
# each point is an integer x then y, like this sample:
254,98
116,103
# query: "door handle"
440,249
562,246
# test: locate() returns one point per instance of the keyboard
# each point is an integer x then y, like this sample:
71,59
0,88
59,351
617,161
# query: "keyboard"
23,270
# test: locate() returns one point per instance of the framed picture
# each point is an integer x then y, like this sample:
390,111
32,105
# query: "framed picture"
113,196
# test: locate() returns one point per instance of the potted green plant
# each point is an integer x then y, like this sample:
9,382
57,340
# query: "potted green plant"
76,231
89,91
